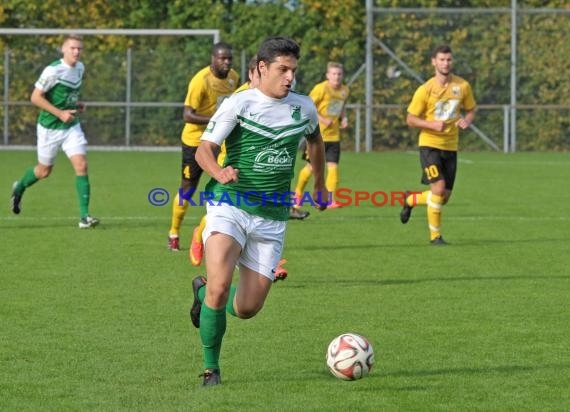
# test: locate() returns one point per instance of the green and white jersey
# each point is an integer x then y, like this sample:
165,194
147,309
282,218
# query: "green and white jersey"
261,135
61,84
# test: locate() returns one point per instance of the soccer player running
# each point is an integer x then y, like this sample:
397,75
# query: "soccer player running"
56,93
247,219
436,110
206,90
330,97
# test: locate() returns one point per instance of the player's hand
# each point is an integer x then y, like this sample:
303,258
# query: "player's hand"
462,124
343,123
438,125
321,198
67,116
227,175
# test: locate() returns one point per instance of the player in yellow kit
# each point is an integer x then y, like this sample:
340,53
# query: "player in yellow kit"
436,110
330,98
206,91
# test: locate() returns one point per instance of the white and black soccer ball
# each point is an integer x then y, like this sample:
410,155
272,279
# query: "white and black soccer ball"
350,356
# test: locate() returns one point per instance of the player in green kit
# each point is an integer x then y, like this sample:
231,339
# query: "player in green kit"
56,93
251,196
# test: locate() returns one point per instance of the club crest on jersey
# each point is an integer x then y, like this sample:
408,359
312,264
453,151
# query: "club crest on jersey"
210,127
273,161
455,90
296,112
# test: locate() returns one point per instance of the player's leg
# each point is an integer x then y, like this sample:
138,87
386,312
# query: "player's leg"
332,156
440,194
427,156
190,177
48,144
258,260
223,238
75,147
196,252
433,168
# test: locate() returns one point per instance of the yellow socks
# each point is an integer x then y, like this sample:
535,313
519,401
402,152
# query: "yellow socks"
332,179
417,199
304,176
178,213
200,229
434,204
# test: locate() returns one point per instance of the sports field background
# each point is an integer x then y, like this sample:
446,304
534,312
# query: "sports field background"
98,319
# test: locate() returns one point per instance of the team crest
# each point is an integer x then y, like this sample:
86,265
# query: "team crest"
210,127
296,112
455,90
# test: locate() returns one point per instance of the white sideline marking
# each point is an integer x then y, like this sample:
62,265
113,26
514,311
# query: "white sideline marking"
328,218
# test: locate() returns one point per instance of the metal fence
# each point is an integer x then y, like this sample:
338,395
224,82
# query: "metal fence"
140,103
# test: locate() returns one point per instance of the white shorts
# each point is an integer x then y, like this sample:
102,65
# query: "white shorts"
261,239
72,141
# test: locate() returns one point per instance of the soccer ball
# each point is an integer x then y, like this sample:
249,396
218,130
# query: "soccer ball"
350,356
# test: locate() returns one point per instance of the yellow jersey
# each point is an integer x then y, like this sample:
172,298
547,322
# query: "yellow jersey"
244,86
330,103
433,101
205,94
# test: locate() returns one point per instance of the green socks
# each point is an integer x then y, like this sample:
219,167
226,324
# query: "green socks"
229,304
27,180
83,191
213,328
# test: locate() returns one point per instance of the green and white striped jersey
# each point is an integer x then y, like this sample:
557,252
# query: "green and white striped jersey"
262,135
61,84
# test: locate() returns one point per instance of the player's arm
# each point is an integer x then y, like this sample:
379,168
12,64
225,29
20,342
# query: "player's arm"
38,98
316,151
206,158
417,122
466,120
190,116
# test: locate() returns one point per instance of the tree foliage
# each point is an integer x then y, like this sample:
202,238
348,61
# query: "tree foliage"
327,30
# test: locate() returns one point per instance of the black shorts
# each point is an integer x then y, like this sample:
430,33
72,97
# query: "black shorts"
438,164
332,152
191,170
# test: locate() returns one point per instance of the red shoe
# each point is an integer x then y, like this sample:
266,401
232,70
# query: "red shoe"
334,205
196,253
174,243
280,272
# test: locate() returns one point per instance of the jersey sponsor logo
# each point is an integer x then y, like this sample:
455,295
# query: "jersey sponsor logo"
273,161
296,112
446,110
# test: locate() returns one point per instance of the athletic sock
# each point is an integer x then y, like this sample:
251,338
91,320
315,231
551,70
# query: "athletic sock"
332,180
417,199
83,193
304,176
26,181
229,305
434,204
178,213
212,329
198,233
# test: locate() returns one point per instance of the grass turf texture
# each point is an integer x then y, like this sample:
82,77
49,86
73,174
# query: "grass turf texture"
98,319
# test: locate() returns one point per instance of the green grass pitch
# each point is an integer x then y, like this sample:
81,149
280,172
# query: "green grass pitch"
98,319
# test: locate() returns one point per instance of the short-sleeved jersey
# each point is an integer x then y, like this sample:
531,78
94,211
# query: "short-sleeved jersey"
261,136
330,102
432,101
205,94
61,84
